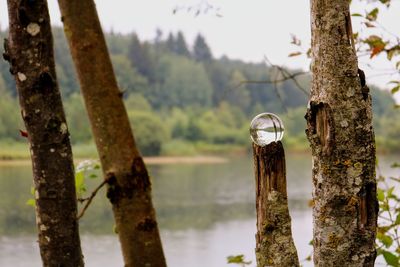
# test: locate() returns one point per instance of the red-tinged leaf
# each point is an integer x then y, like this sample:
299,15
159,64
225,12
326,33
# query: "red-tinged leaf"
374,40
376,50
23,133
294,54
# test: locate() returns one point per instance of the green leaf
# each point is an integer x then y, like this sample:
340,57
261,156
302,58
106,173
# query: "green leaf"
385,239
31,202
390,258
395,165
357,15
395,89
397,221
93,176
381,195
373,15
389,192
80,183
238,259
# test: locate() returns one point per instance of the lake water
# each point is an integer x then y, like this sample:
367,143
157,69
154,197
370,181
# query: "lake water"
206,212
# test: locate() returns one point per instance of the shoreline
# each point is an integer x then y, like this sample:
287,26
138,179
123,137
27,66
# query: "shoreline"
156,160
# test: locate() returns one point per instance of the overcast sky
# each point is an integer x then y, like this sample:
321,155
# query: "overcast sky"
247,30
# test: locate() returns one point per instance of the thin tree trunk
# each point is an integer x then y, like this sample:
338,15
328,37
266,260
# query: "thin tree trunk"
129,184
275,246
29,50
340,132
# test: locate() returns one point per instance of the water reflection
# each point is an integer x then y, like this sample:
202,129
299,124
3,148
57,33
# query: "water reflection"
205,211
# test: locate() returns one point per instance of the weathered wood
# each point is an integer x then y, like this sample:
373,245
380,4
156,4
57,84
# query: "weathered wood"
340,132
29,50
274,242
129,189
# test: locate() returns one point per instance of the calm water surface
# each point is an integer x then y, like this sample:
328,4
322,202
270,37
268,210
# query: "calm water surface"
206,212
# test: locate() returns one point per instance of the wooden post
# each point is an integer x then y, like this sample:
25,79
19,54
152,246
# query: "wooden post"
274,242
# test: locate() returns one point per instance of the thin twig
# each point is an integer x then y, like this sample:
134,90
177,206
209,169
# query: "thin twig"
89,199
286,75
291,76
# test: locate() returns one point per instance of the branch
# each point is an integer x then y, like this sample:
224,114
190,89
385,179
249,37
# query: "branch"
89,199
291,76
288,76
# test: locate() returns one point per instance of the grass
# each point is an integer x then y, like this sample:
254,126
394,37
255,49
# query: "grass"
20,151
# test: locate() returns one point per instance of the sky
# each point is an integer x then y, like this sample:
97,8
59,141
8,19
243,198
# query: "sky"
249,30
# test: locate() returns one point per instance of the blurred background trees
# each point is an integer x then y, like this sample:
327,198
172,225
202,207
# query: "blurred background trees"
189,99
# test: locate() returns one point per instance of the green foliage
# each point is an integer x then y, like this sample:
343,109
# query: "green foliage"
77,119
129,80
185,83
238,259
150,132
388,236
10,121
200,102
84,169
201,51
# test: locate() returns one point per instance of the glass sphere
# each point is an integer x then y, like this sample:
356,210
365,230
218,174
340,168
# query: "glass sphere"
266,128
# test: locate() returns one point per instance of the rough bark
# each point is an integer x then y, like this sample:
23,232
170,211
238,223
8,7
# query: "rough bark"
129,189
274,242
29,50
339,128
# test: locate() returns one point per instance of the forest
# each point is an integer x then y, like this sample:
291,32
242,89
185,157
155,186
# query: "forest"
184,101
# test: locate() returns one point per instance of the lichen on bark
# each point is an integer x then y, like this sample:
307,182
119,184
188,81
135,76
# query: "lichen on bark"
274,241
129,188
339,129
29,50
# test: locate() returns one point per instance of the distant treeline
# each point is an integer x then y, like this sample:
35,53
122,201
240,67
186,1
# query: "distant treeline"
182,99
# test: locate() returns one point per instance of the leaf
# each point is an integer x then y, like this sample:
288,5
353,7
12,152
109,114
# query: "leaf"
385,239
397,221
389,192
390,258
31,202
294,54
238,259
295,41
377,49
395,165
23,133
80,183
369,24
373,15
235,259
395,89
357,15
385,2
381,195
393,51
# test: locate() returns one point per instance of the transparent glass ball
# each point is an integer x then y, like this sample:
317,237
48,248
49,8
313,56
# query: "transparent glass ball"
266,128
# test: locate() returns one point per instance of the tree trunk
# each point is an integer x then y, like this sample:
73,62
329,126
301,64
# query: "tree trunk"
339,128
29,50
275,246
129,188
